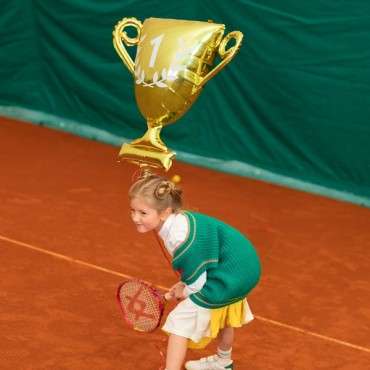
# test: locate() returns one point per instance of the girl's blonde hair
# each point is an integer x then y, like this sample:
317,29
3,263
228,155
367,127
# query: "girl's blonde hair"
160,192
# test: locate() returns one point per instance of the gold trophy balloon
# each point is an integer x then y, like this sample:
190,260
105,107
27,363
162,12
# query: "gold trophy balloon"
174,60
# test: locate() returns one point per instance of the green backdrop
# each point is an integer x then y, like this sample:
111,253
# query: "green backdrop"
293,107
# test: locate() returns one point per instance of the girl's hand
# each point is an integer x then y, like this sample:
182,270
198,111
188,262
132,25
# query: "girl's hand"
177,291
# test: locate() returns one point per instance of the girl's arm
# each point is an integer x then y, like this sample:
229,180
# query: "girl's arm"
196,286
180,290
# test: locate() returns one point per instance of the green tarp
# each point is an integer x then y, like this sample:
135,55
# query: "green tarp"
294,102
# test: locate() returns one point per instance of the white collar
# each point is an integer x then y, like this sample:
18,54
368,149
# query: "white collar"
166,227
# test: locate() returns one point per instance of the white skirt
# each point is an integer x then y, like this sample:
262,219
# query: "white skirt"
192,321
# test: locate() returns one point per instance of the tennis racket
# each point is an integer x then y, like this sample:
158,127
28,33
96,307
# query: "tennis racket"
142,305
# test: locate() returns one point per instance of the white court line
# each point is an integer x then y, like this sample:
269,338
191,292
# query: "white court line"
99,268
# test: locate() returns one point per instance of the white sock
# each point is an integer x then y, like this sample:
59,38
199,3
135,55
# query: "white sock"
224,356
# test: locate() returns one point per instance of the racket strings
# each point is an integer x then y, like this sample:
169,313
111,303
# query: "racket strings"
141,305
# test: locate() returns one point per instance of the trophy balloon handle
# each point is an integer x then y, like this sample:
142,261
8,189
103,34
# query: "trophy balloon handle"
226,55
120,35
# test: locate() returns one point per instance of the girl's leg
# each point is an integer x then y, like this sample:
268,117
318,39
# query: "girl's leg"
223,358
226,339
176,352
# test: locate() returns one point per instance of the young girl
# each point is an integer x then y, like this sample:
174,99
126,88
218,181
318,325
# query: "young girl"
218,268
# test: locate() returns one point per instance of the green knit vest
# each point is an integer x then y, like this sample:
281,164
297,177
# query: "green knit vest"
232,265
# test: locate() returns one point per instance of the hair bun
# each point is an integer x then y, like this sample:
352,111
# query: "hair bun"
164,188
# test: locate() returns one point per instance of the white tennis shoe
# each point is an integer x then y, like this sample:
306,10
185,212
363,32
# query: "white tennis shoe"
209,363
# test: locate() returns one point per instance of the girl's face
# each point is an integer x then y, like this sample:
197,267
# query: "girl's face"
145,217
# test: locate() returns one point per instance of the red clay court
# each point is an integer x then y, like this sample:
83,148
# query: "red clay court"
66,242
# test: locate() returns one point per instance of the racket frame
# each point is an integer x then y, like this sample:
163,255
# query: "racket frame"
160,299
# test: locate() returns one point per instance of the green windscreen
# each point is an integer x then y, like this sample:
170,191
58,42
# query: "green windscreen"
294,103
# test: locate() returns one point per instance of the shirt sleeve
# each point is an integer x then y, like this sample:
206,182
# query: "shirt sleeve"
196,286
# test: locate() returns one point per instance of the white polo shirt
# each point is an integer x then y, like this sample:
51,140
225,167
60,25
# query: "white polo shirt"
174,232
